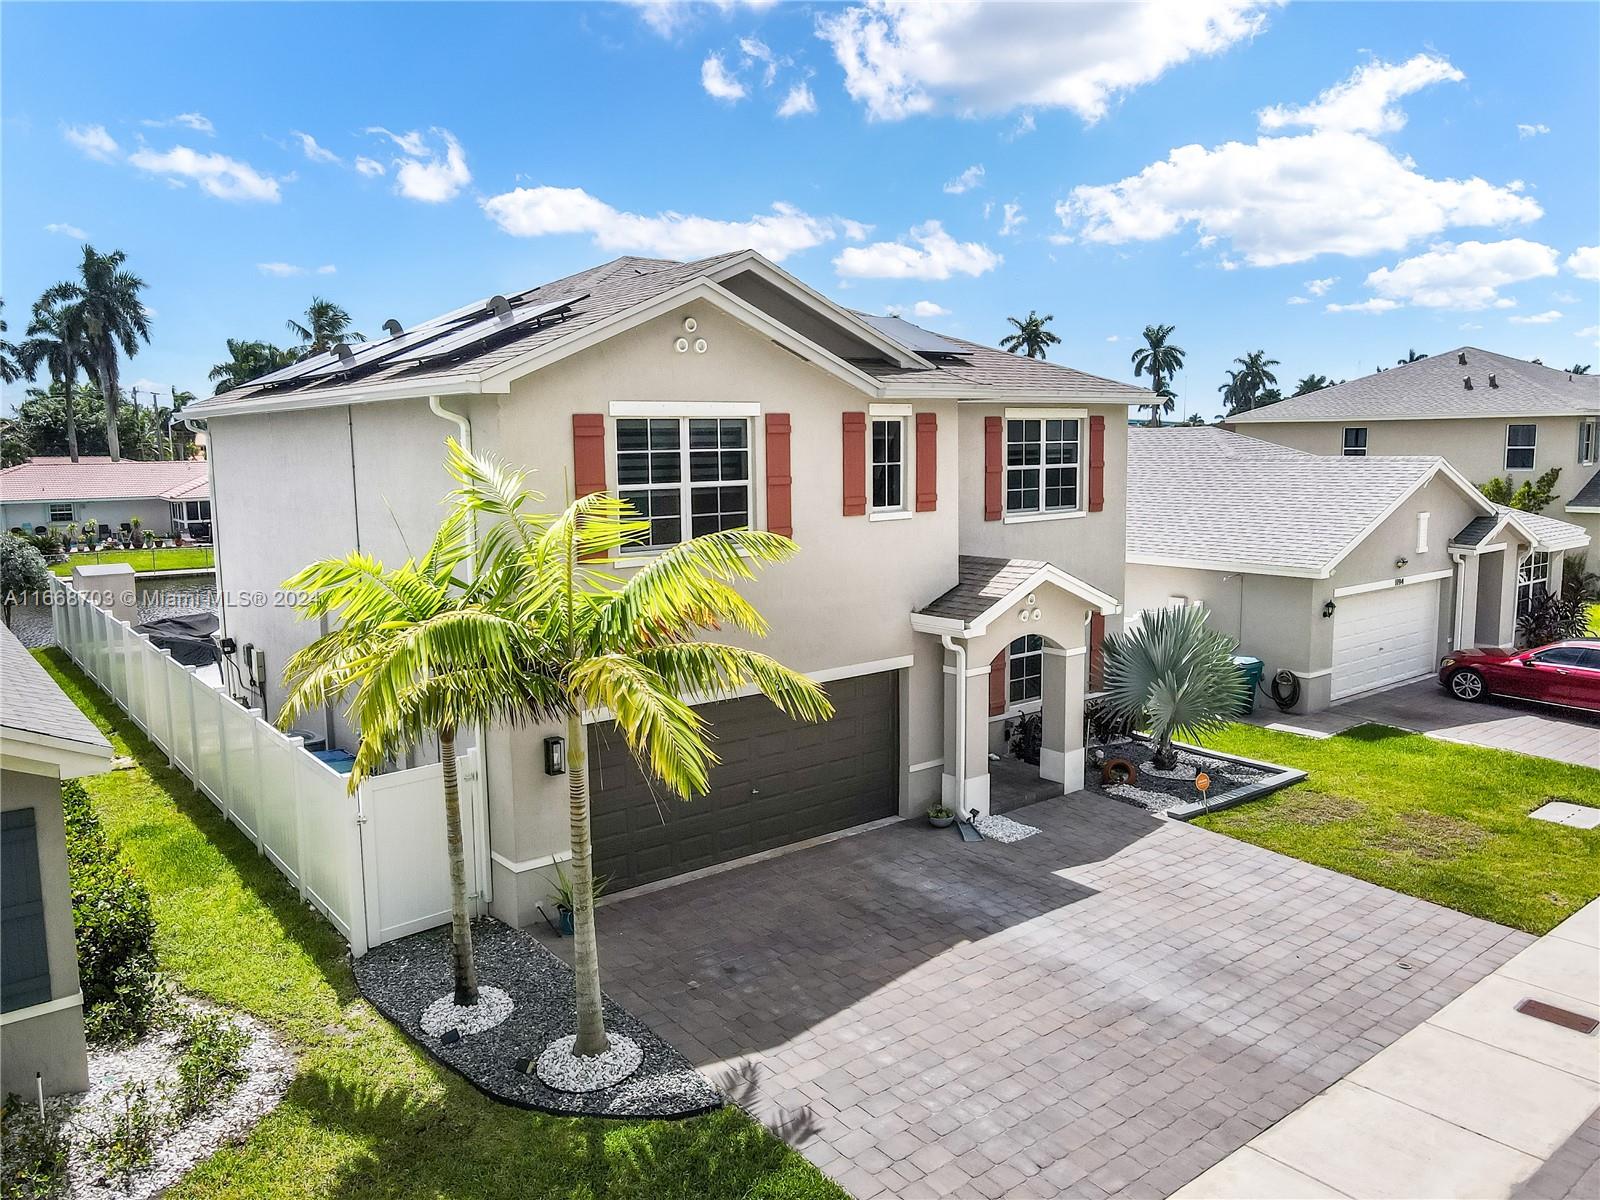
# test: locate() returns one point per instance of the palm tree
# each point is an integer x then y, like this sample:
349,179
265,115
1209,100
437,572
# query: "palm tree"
1254,377
628,648
425,659
1574,369
56,341
247,361
107,297
1312,383
1031,336
11,368
1232,391
1411,357
1161,362
326,326
1173,674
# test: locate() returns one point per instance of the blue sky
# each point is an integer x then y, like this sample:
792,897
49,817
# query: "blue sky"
1333,183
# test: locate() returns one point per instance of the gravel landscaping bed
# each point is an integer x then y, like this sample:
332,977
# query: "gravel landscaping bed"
403,978
1157,790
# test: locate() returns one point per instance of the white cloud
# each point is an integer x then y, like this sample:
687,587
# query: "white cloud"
217,174
540,211
1564,297
667,17
189,120
314,150
423,173
413,143
970,178
369,166
1364,103
1584,262
901,57
936,255
1299,300
855,231
1365,306
1115,337
1589,332
1528,131
1012,219
93,140
327,269
1319,287
718,83
1464,276
927,308
756,50
283,270
1544,318
1024,126
71,231
798,102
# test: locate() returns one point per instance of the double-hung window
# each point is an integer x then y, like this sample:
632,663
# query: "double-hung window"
1520,441
1588,442
686,476
1025,669
888,464
1042,464
60,514
1355,441
1533,580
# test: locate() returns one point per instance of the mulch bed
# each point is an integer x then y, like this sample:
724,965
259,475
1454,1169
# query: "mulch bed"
401,978
1157,790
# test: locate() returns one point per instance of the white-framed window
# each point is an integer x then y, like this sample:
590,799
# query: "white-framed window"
1520,442
1043,464
1533,579
61,514
1025,669
687,476
1355,441
888,464
1588,442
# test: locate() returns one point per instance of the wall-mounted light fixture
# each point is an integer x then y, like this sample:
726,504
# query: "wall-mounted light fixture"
1327,609
1400,563
555,755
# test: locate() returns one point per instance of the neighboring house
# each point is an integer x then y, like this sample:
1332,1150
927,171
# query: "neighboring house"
44,739
1352,573
52,493
949,500
1489,415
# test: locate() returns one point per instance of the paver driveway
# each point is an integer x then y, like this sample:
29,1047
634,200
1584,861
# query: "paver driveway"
1108,1007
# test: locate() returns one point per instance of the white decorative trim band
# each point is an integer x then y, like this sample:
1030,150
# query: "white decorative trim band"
531,864
927,766
1070,652
672,408
889,410
826,675
1356,589
44,1009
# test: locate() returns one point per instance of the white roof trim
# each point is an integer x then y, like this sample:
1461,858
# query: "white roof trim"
1250,418
1047,573
1227,566
24,749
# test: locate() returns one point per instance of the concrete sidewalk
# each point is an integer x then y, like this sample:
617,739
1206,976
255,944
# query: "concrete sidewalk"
1470,1104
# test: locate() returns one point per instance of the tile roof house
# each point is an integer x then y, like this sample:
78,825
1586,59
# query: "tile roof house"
53,492
1350,573
959,513
1490,415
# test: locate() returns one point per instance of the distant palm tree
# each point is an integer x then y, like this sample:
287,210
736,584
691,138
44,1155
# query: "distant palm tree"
56,341
1254,377
1574,369
1312,383
1411,357
1031,338
1231,391
11,368
114,319
1161,362
247,361
326,326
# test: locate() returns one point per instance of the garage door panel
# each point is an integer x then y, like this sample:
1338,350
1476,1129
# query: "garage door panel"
1384,637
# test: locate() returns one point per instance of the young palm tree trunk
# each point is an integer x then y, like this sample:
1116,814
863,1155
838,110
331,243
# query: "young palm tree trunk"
585,947
108,397
460,926
69,386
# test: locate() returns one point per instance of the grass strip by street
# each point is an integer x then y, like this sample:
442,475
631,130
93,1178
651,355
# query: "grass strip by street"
160,558
370,1115
1433,819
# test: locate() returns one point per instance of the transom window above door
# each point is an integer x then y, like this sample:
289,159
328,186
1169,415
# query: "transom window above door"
686,476
888,464
1042,464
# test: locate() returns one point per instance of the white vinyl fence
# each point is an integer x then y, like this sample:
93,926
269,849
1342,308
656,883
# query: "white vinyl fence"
372,862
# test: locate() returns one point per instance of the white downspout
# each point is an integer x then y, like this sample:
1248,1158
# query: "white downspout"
960,651
1459,558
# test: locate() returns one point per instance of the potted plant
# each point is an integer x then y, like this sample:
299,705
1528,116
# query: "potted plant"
91,534
135,533
71,539
940,817
563,899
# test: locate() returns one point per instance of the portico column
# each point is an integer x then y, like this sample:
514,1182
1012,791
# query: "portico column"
1061,735
966,737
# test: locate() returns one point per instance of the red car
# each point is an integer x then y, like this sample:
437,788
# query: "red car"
1565,673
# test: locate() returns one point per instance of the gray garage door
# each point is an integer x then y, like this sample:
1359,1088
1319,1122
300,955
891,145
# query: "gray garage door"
780,781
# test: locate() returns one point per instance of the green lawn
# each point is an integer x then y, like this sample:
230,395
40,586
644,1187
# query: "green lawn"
1432,819
1594,619
166,558
369,1115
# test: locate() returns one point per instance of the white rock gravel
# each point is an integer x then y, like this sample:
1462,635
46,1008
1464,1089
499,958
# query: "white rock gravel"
1004,829
564,1071
444,1014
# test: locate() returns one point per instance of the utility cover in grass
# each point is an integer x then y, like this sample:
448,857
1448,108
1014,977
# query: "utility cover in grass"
403,978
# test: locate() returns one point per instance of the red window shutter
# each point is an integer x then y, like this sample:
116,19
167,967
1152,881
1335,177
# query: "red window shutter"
588,453
855,464
993,450
997,684
1097,463
927,462
780,508
1097,651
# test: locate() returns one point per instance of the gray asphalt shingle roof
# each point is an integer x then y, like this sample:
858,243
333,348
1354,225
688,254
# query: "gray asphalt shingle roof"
30,701
1432,388
1475,530
981,583
1588,496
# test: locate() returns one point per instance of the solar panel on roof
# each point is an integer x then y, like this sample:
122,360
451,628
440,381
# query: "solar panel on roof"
487,327
913,337
370,354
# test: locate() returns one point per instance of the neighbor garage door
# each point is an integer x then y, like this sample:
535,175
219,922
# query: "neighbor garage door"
780,781
1384,637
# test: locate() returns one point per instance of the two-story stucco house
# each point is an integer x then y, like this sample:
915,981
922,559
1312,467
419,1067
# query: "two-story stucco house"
960,514
1489,415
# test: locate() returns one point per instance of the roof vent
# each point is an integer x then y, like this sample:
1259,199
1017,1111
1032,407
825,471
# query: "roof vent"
1462,358
1492,382
393,328
499,306
342,350
1466,382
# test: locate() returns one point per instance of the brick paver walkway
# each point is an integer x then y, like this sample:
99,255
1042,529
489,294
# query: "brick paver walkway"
1106,1008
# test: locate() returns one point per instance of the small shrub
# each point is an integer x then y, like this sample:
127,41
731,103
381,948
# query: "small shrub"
46,541
212,1065
1553,617
130,1122
33,1151
1026,737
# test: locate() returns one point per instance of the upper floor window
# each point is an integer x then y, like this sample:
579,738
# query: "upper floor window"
1533,580
687,476
1042,464
60,514
1025,669
1588,442
888,464
1520,441
1355,441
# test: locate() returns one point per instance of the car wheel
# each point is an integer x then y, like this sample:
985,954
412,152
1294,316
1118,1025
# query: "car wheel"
1467,685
